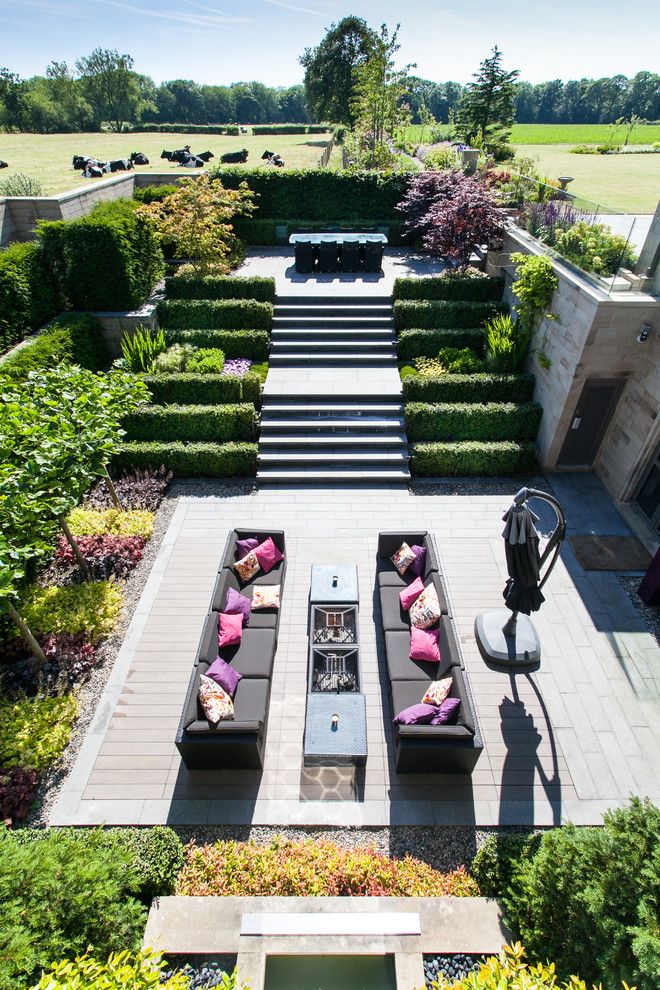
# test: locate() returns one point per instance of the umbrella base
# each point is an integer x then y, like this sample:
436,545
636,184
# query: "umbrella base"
497,646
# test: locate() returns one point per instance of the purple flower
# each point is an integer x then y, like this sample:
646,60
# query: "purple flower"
237,366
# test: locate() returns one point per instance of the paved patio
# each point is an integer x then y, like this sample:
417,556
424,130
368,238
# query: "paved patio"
565,743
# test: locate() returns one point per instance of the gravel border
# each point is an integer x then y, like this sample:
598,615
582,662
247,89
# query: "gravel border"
649,614
476,486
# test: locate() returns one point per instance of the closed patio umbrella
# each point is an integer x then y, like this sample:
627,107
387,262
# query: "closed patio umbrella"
523,560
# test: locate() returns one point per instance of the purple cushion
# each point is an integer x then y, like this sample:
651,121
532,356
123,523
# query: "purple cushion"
446,711
417,565
416,715
243,547
238,603
224,675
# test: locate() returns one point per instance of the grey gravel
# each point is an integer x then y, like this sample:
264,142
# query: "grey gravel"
476,486
649,614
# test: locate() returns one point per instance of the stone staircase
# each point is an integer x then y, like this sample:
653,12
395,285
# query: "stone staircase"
333,434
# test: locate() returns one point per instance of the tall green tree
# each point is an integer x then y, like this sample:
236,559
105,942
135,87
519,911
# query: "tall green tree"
330,69
486,110
111,86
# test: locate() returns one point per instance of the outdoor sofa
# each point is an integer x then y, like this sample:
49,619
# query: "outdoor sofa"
449,748
240,743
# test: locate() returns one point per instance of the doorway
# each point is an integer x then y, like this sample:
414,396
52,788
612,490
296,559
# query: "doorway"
647,499
591,418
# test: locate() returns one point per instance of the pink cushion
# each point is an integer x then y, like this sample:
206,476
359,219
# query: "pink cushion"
408,595
230,629
268,555
424,645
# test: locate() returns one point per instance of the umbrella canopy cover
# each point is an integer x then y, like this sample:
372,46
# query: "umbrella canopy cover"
521,546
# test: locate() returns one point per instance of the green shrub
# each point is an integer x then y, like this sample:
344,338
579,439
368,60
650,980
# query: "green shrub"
34,732
443,313
507,343
209,460
154,194
473,289
473,457
141,348
108,260
220,287
172,360
121,971
588,899
115,522
189,422
156,859
469,388
28,297
261,370
220,314
251,344
63,893
256,230
460,361
74,338
496,860
206,361
91,608
427,343
593,247
473,421
187,389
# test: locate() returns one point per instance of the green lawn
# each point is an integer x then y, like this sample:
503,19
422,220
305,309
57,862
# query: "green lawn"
630,183
47,157
578,134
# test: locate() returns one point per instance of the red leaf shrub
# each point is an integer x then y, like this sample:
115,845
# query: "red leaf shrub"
106,555
18,790
425,190
138,490
70,659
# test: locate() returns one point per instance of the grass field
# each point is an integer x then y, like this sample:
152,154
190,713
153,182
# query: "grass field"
578,134
47,157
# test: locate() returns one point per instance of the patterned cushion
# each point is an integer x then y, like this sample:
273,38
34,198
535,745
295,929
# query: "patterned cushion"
425,611
247,567
217,705
437,691
403,558
266,596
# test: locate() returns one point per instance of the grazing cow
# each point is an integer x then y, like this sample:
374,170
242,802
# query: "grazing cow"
3,164
234,156
139,158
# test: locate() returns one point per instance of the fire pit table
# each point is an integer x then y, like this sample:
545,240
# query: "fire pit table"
336,718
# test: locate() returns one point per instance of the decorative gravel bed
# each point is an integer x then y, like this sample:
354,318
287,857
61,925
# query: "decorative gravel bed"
649,614
202,973
454,967
476,486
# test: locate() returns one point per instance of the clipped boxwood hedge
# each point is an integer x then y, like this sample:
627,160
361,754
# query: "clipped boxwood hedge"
473,457
427,343
220,287
256,230
443,313
469,388
76,338
152,128
188,460
473,421
220,314
263,231
190,389
469,289
233,421
28,294
251,344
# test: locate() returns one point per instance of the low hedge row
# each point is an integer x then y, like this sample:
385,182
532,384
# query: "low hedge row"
251,344
231,129
473,457
216,314
27,292
189,460
442,313
220,287
233,421
453,288
187,388
426,343
468,388
76,338
290,129
473,421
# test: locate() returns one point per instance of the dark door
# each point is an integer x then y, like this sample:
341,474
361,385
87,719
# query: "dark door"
648,496
590,420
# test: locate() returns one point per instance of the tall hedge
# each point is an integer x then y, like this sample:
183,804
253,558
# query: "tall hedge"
468,388
187,388
187,422
189,460
473,457
108,260
251,344
438,314
320,194
426,343
443,287
231,129
290,129
216,314
472,421
28,296
76,338
220,287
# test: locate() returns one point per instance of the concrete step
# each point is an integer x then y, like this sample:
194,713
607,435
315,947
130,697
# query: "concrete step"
371,475
340,309
332,322
284,407
332,333
342,358
379,424
331,441
329,300
329,346
303,456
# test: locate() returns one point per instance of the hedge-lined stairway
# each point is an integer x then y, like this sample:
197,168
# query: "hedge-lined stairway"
326,435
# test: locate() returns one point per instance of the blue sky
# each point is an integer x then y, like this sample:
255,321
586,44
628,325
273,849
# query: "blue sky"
222,41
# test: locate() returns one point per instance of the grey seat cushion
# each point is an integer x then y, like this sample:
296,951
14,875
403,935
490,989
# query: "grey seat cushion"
250,709
401,668
393,616
407,693
253,657
263,618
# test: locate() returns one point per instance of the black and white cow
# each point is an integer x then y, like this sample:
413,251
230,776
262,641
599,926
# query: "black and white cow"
120,165
234,156
139,158
273,158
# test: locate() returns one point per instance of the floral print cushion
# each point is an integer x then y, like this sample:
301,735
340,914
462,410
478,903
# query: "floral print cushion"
247,567
403,558
437,691
266,596
217,704
425,611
